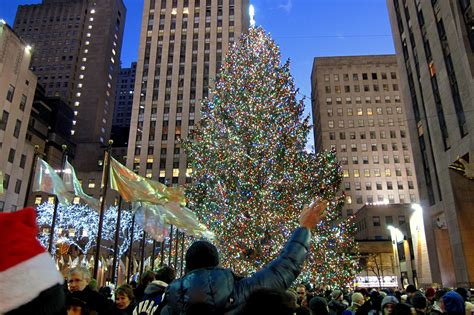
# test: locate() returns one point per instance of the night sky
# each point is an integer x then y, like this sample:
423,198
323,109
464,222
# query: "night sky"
303,29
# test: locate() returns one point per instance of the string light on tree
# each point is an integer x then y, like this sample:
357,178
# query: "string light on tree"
251,172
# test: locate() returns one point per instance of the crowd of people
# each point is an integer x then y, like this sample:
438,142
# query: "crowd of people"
31,284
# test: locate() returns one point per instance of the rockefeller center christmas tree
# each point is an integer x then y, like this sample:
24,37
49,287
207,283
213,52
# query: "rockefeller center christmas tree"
251,173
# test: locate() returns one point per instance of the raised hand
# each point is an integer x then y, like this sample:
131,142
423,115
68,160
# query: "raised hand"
312,214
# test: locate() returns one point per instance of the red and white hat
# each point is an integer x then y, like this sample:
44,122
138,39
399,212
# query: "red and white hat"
26,269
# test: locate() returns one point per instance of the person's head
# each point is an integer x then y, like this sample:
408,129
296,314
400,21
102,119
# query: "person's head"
124,296
410,290
269,301
76,306
318,306
463,293
452,303
147,277
301,292
388,303
430,294
357,299
419,301
337,295
201,254
78,278
403,309
165,274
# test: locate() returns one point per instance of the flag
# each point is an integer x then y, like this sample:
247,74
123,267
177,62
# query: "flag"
72,184
156,218
133,187
46,180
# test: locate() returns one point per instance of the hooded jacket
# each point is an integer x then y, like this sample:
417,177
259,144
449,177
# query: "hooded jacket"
219,291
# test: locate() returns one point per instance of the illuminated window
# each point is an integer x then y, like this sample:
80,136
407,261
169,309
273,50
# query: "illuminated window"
38,200
51,199
91,183
76,200
345,173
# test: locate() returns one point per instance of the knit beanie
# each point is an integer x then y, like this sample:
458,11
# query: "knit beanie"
454,303
419,300
336,294
201,254
29,280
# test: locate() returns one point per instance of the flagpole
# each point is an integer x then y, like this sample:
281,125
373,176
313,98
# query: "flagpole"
182,254
153,256
56,202
117,229
102,206
162,252
176,250
32,174
130,249
171,245
143,253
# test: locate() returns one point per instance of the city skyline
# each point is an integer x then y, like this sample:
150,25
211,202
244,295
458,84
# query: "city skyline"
309,31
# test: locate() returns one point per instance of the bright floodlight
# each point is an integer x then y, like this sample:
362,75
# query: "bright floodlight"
252,15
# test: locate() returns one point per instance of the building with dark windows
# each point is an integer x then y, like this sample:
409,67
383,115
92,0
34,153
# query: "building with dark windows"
17,90
123,105
435,43
182,44
76,49
358,112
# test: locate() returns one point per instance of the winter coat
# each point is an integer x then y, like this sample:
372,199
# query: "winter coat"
127,311
336,307
94,301
221,292
154,293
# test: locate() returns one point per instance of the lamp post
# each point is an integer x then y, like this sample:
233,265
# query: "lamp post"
396,235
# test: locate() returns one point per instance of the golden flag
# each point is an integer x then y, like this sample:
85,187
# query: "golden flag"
133,187
46,180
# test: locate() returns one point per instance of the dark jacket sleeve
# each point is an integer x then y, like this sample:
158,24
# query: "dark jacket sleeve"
281,272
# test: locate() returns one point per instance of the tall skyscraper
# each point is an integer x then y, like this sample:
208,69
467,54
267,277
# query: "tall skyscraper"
434,41
124,96
358,111
17,90
76,55
182,44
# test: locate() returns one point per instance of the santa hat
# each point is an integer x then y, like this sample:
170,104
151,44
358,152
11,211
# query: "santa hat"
29,280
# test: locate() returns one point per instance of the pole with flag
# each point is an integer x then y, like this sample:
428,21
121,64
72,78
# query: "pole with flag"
32,172
105,184
143,253
182,254
117,229
153,256
171,245
56,202
162,252
176,250
130,251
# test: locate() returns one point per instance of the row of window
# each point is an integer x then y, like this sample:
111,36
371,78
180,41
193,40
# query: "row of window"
375,159
380,199
357,88
378,185
358,100
363,134
360,111
361,123
355,76
376,172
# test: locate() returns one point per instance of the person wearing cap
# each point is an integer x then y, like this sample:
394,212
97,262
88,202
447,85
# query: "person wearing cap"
336,305
29,280
430,295
410,291
420,303
206,286
452,303
357,301
388,303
